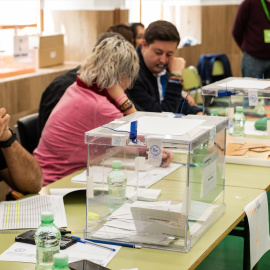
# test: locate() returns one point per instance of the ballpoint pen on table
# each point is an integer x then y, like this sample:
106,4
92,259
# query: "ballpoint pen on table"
86,241
113,243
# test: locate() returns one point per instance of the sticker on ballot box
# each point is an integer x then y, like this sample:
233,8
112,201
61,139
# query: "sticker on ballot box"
155,151
209,174
118,141
253,97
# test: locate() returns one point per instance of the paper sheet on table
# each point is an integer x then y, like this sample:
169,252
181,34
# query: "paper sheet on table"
257,214
251,130
246,84
142,193
162,126
21,252
158,221
146,179
249,149
25,213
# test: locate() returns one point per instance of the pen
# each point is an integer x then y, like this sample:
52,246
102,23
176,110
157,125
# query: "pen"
163,66
91,243
190,164
114,243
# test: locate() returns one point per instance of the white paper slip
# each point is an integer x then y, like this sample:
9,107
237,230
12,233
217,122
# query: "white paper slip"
143,194
20,252
155,221
163,126
258,221
146,179
25,213
64,191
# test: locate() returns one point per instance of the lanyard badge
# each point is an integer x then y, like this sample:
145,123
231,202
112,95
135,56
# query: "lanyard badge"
266,32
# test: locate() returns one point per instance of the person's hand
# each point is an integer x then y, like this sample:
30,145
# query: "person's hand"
177,65
167,157
199,113
5,133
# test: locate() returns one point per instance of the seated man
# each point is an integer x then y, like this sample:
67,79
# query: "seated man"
18,168
156,56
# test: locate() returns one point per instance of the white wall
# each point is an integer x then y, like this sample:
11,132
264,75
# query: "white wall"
83,4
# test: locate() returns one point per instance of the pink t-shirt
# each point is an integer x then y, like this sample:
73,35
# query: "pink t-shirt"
61,149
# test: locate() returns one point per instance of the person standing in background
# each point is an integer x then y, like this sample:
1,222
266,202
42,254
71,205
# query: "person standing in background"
251,32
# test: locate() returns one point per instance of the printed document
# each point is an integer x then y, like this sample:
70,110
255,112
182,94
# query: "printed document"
24,214
21,252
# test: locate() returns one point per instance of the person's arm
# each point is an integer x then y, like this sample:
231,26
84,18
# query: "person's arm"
23,172
240,23
118,95
176,67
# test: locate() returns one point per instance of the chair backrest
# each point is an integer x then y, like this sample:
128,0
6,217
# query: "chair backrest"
28,132
218,68
213,67
191,78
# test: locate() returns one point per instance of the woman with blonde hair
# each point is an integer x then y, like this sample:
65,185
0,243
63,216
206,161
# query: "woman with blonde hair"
96,98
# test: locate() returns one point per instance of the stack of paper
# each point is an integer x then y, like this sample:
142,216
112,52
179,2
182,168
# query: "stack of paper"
121,226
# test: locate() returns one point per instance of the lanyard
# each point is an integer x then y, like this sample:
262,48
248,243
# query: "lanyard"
265,10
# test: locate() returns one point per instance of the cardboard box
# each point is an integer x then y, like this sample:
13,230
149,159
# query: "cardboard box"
51,50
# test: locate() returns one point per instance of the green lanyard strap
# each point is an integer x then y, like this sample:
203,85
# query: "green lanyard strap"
265,10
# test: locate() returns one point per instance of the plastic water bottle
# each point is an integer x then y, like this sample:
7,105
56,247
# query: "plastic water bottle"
60,261
239,120
117,181
47,238
214,112
200,153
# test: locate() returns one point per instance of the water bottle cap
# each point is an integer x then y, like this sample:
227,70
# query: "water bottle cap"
239,109
117,164
47,216
214,112
60,259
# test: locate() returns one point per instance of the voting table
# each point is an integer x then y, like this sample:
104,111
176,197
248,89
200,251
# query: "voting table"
236,198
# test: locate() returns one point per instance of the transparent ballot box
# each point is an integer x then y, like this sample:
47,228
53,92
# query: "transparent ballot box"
250,93
170,189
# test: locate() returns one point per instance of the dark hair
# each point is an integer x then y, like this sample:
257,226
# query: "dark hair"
108,35
133,28
161,30
123,30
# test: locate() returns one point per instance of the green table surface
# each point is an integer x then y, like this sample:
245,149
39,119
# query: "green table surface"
236,198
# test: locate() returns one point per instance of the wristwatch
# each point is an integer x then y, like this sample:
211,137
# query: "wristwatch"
10,141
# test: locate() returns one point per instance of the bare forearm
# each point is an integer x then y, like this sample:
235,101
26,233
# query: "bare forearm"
24,173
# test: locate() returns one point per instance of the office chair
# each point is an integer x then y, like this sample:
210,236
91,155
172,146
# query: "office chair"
28,132
218,68
192,80
213,67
